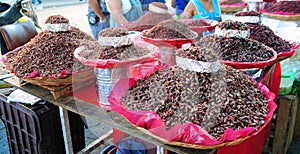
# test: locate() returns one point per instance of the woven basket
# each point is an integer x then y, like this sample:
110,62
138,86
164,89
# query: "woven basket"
194,146
282,17
68,80
230,9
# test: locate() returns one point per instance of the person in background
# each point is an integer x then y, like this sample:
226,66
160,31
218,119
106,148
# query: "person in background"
145,4
202,9
98,16
123,11
7,1
180,6
4,6
39,1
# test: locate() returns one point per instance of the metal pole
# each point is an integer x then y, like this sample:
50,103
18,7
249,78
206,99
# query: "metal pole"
65,125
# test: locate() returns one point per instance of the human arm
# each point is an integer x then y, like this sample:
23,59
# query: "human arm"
180,6
189,11
95,6
115,7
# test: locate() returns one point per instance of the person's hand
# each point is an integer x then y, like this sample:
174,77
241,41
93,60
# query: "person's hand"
103,20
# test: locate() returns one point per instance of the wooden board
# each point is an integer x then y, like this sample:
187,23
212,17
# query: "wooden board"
74,83
297,125
292,123
285,122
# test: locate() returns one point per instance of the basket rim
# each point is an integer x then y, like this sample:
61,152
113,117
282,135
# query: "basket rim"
232,8
294,17
195,146
214,146
168,40
243,64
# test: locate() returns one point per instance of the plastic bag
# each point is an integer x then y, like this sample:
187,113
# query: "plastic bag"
154,55
186,132
271,78
21,96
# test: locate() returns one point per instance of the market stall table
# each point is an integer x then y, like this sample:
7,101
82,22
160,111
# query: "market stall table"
88,110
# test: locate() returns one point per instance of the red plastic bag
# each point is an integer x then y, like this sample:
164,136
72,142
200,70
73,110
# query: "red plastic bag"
154,55
187,132
252,145
271,78
140,71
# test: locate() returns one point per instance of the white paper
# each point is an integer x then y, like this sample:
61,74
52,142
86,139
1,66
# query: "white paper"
21,96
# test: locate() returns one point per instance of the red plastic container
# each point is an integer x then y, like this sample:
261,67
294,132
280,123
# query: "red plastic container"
170,42
247,65
200,29
154,55
287,54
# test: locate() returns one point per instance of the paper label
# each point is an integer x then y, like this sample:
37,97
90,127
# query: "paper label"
197,66
58,27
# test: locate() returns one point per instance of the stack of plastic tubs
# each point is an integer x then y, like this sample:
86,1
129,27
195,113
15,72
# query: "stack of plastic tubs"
37,128
288,74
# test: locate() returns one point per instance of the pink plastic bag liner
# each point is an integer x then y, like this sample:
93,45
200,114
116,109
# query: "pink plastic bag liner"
171,42
271,78
234,5
279,13
154,55
199,29
126,24
35,73
140,71
247,65
287,54
187,132
252,145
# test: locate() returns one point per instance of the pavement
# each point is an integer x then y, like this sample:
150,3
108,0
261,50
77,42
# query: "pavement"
59,3
75,11
3,139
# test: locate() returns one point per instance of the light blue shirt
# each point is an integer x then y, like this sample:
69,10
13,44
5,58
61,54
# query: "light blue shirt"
203,14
